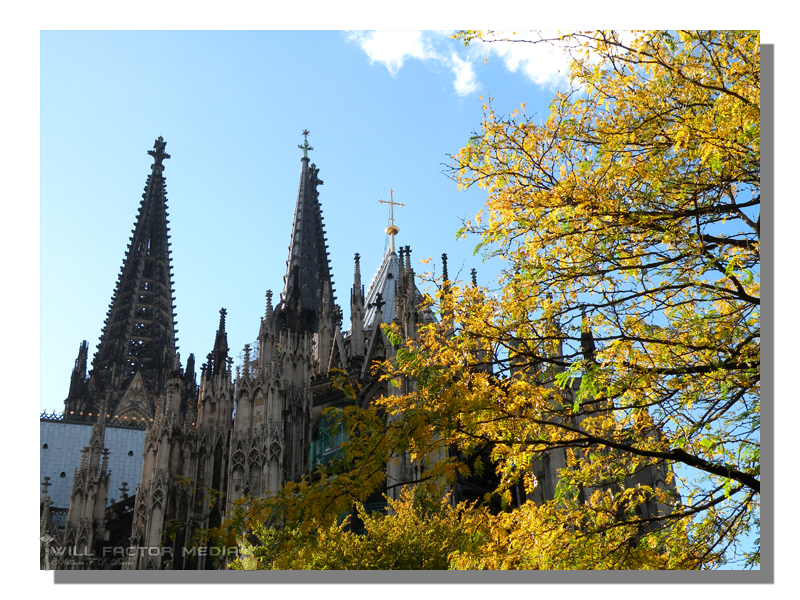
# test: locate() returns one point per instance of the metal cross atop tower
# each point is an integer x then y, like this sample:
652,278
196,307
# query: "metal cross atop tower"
305,147
392,229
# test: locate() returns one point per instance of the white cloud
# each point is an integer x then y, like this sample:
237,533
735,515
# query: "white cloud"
391,48
465,82
543,64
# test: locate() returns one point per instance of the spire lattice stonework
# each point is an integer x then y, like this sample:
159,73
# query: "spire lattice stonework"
139,330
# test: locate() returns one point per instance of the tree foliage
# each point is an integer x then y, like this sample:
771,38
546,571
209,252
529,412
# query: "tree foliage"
623,335
421,533
632,213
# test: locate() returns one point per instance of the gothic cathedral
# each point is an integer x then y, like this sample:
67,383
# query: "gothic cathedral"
238,432
234,433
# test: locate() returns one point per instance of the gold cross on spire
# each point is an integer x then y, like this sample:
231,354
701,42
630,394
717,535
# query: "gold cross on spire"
392,229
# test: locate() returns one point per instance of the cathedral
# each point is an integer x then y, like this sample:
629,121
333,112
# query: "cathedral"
235,432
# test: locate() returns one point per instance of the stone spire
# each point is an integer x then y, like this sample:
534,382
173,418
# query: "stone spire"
357,311
266,337
78,389
189,381
308,267
357,276
447,308
246,363
268,311
219,356
98,436
214,392
139,334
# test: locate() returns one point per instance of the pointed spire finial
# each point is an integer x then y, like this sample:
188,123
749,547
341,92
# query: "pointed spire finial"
444,267
246,362
158,152
474,274
305,147
268,313
357,274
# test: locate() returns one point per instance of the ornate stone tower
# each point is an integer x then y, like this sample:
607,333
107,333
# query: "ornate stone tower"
272,429
184,472
137,344
199,458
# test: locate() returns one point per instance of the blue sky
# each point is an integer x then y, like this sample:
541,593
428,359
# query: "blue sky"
385,109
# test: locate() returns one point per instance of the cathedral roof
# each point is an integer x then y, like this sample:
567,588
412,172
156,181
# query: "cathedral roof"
384,283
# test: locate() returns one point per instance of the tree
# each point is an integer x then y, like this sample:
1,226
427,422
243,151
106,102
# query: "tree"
623,333
421,533
629,221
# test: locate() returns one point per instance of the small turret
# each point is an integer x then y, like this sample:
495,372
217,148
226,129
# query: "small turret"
245,373
357,311
97,438
219,356
215,403
266,338
189,393
447,306
78,390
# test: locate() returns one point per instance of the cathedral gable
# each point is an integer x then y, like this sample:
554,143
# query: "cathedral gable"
134,403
